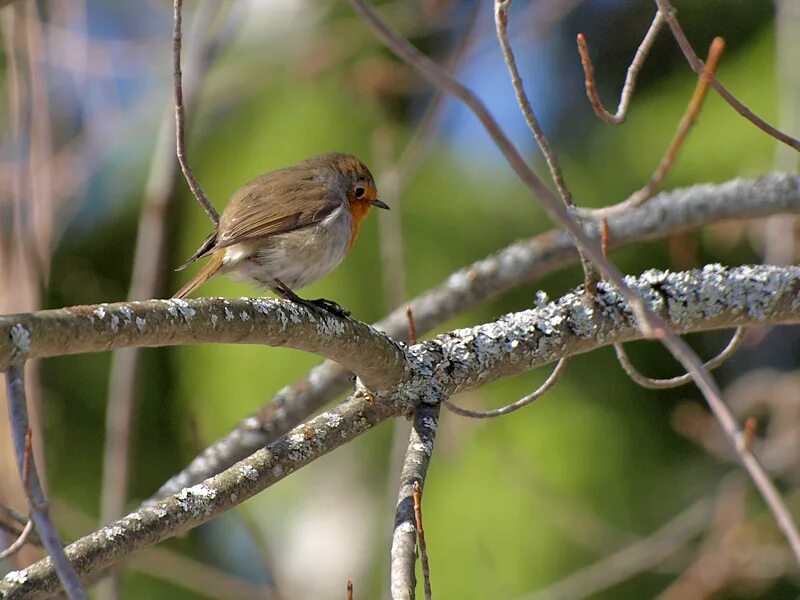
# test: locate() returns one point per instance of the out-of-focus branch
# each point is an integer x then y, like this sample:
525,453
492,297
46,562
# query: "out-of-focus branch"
638,557
524,261
377,359
651,325
18,415
461,360
415,468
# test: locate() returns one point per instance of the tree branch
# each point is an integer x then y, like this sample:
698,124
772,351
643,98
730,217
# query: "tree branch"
461,360
665,214
415,467
377,359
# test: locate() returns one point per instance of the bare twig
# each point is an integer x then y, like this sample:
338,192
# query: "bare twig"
349,589
18,543
509,408
18,415
673,382
630,79
180,118
668,12
650,323
423,546
501,25
406,525
412,326
687,121
521,262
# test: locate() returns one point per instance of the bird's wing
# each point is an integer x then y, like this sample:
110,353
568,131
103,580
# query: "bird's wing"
260,209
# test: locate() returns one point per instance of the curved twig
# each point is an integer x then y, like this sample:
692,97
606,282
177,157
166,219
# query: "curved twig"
180,142
509,408
18,543
673,382
630,79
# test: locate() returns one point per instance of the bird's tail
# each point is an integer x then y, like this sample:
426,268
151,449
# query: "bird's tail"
207,272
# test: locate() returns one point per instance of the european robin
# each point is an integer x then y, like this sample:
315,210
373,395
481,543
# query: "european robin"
287,228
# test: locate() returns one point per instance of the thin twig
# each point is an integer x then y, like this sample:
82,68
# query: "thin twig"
180,118
605,236
649,323
349,589
412,326
522,402
750,427
687,121
630,79
18,415
501,25
673,382
18,543
423,546
666,8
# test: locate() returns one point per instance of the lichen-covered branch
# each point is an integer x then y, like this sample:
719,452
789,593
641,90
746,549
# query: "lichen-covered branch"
665,214
415,467
378,360
711,298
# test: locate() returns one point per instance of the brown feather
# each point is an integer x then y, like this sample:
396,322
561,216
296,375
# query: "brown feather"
207,272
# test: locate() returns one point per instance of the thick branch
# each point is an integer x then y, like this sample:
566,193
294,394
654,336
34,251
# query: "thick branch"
378,360
711,298
666,214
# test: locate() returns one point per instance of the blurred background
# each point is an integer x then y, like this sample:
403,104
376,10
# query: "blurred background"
520,507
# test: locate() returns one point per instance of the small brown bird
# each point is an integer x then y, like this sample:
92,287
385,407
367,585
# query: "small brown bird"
288,228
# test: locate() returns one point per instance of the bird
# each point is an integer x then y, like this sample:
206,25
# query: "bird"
288,228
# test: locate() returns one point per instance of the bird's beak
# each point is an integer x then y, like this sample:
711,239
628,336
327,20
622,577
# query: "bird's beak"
380,204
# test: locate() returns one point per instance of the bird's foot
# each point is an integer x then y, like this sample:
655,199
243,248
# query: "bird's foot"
329,305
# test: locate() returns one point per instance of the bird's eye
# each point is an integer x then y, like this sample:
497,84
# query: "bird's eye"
359,191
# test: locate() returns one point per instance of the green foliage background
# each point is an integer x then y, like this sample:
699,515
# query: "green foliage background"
499,491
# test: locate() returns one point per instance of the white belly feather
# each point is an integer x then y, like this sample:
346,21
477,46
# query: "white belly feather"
297,258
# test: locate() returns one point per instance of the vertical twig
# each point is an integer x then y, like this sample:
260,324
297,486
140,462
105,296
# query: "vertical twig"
501,25
423,546
415,467
180,118
18,416
349,589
